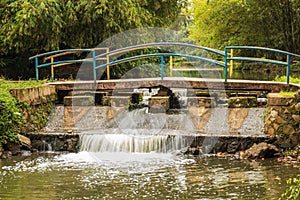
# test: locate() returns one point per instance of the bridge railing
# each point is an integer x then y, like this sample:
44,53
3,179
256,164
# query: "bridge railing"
162,60
230,57
123,50
227,55
40,60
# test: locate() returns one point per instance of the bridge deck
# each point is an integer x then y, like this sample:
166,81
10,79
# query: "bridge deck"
176,82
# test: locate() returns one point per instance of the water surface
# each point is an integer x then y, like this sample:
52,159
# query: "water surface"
140,176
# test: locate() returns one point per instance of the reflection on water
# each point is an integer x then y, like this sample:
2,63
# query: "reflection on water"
140,176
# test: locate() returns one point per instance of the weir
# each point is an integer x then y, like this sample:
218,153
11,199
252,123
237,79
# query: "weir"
206,126
215,114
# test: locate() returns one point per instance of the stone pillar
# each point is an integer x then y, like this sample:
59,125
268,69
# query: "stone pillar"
283,119
75,109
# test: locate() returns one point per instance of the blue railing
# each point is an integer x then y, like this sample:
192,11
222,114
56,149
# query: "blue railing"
287,63
225,55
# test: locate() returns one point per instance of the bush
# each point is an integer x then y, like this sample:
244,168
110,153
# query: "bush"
11,119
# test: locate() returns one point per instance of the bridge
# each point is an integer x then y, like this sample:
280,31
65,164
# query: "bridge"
104,59
198,106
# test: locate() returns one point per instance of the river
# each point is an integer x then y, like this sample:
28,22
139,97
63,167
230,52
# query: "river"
151,175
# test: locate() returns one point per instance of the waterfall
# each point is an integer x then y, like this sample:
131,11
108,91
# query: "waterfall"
130,143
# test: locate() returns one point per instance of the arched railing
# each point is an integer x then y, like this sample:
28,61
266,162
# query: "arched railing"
226,62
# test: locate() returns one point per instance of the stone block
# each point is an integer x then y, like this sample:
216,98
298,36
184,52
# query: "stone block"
119,101
159,104
207,102
79,101
25,141
242,102
275,99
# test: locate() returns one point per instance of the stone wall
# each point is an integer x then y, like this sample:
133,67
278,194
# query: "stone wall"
283,119
36,104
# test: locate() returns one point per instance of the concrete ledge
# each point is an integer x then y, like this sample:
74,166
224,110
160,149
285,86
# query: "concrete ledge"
35,95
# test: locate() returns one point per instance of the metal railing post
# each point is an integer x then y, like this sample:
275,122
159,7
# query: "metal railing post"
36,69
231,64
162,67
288,70
171,66
225,64
52,69
94,65
107,67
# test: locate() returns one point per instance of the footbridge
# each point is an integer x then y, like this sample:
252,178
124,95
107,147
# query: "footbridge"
221,61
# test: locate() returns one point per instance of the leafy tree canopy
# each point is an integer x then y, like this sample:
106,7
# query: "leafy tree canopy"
33,26
217,23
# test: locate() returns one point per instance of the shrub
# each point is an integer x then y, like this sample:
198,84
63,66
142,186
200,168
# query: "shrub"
11,118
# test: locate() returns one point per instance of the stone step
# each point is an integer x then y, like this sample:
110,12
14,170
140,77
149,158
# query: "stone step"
79,101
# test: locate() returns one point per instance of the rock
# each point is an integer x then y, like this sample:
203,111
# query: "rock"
274,113
25,141
194,151
13,148
233,147
6,154
280,120
288,129
271,131
276,126
261,150
297,107
296,118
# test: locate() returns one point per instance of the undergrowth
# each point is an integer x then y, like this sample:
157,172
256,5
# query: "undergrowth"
11,118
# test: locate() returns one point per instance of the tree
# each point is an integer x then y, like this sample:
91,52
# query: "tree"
274,24
35,26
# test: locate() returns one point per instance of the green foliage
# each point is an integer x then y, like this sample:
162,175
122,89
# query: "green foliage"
292,152
287,94
36,26
283,79
274,24
11,118
293,192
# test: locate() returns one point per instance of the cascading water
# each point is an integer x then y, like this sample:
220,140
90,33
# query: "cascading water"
137,132
120,142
